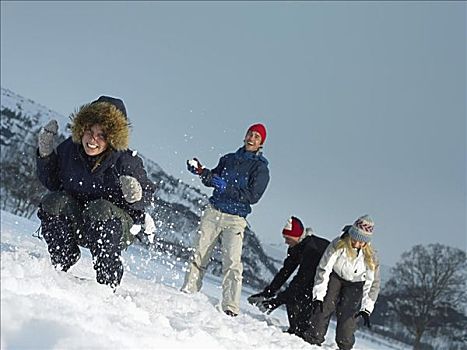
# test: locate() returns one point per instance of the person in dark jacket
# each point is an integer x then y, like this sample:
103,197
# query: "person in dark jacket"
99,189
305,251
239,180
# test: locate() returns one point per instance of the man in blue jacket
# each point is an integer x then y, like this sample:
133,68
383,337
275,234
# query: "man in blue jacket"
98,189
239,180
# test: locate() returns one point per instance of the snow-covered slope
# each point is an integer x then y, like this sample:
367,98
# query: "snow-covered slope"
45,309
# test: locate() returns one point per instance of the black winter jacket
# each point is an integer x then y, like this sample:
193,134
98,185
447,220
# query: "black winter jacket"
69,170
306,254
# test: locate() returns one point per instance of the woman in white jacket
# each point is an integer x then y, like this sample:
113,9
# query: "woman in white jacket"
347,281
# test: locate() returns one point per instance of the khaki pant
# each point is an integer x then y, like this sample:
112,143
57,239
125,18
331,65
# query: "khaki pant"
231,228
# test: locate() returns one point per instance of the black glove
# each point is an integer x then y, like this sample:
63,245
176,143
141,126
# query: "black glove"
194,166
257,298
366,317
317,305
269,305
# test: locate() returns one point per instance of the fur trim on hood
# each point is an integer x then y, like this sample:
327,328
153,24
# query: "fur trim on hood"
306,232
111,119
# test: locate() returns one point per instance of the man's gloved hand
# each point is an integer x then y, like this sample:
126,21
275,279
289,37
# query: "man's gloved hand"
366,317
194,166
257,298
131,188
317,305
219,183
269,305
46,138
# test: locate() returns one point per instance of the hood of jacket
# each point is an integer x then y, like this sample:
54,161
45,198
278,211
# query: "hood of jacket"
308,231
113,122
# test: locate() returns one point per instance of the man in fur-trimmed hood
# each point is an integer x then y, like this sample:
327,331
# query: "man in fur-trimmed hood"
99,189
110,114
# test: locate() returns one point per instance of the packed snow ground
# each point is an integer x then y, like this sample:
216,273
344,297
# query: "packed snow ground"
42,308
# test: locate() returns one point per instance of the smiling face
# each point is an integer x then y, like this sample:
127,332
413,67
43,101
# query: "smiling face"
252,141
94,141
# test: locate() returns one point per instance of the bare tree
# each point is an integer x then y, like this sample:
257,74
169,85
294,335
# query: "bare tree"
428,281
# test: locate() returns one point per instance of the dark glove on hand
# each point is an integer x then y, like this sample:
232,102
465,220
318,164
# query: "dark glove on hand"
219,183
268,306
366,317
257,298
317,305
194,166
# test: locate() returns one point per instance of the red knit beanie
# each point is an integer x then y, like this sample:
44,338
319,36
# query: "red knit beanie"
260,129
293,228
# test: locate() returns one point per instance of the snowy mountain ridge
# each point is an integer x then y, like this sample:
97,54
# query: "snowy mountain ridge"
28,107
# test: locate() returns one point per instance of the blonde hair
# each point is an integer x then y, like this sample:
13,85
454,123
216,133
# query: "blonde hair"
368,251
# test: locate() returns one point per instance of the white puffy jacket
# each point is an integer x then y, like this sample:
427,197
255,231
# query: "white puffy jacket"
352,270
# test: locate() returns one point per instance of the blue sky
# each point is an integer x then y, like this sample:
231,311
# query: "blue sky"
364,102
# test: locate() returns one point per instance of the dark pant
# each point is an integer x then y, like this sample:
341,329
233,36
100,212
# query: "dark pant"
299,314
98,225
344,298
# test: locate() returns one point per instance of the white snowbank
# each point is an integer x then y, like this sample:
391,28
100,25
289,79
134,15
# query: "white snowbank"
46,309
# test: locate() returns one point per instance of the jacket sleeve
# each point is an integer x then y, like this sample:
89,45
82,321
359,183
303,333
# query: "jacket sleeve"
206,175
289,266
303,280
48,171
257,184
134,167
371,289
323,271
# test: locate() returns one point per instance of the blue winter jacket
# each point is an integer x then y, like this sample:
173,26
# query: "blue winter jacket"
247,176
69,170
